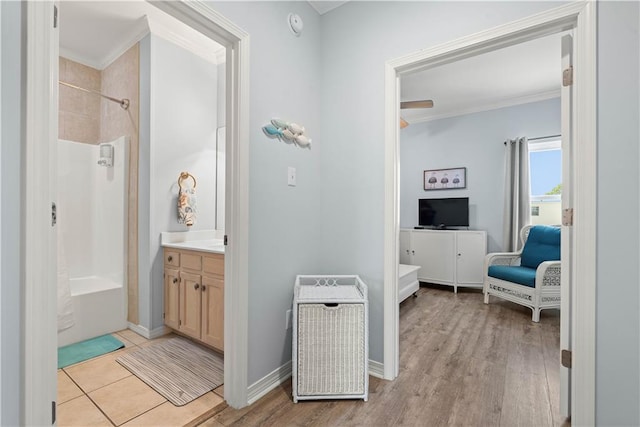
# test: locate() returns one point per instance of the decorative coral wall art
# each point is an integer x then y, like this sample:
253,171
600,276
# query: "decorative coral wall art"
445,179
291,133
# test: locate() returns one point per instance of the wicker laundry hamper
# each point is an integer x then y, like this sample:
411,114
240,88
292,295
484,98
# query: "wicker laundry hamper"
330,338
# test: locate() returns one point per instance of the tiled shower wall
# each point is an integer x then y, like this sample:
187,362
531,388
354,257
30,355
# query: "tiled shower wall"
87,118
79,112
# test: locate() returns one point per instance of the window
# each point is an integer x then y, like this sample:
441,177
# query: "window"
545,177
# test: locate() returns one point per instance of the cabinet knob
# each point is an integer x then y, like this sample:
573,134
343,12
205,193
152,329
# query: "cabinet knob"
196,286
204,288
407,251
170,258
175,280
413,252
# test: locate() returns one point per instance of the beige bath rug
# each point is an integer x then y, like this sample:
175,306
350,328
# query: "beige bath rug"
176,368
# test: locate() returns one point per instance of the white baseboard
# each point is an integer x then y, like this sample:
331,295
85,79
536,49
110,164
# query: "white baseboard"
279,375
148,334
376,369
269,382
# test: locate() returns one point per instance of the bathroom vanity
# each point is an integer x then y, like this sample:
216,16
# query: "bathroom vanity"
194,290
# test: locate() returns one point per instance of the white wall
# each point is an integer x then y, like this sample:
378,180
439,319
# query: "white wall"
11,380
179,118
474,141
285,224
618,250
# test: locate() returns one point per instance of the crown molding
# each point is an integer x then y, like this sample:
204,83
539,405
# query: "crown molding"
203,51
493,105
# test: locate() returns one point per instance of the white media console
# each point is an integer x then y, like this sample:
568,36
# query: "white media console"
445,257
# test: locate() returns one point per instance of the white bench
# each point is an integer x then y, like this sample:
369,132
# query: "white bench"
408,281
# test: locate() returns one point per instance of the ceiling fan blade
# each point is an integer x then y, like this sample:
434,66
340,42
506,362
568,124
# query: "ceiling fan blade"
403,123
427,103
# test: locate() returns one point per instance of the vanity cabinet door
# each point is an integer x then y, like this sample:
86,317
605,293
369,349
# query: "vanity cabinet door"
172,298
213,312
190,304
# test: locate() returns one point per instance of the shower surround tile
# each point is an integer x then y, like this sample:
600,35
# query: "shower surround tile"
78,111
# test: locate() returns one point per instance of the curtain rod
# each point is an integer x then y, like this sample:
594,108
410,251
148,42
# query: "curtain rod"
124,103
544,137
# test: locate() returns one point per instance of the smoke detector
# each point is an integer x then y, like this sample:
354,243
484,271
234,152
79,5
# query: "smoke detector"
295,24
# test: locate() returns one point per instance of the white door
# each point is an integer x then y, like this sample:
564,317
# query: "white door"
405,247
470,251
567,231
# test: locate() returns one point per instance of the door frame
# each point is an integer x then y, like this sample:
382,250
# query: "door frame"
38,261
581,17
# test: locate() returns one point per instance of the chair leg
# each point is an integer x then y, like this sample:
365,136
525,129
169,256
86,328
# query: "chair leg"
536,315
486,297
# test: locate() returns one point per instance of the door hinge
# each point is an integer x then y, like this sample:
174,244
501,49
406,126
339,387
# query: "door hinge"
566,358
53,412
567,217
55,16
179,322
226,240
163,315
567,76
54,214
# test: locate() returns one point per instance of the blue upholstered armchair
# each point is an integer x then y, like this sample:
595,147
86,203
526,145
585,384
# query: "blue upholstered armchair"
530,277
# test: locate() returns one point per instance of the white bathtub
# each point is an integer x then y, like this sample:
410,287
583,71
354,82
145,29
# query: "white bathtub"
99,307
92,231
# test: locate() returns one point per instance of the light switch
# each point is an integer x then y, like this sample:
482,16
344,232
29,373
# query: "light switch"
291,176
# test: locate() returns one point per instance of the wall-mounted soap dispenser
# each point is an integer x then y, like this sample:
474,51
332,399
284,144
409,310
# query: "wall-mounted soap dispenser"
106,155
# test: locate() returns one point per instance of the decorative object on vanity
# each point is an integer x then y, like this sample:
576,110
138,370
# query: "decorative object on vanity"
287,132
186,199
445,179
531,276
176,368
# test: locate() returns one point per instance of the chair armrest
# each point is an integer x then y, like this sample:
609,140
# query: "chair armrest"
548,274
502,258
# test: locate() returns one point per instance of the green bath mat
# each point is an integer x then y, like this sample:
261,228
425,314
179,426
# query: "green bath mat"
84,350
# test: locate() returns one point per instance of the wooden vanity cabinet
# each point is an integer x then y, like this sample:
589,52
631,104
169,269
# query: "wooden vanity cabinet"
194,295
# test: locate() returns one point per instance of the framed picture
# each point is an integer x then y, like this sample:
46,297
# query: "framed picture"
445,179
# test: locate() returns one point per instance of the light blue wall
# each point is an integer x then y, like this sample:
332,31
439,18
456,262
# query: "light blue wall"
11,224
357,40
285,225
474,141
618,250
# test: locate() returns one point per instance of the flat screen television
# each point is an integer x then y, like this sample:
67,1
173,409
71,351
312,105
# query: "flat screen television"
443,213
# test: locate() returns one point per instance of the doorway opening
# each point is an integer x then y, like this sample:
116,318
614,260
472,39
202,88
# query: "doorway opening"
41,82
578,124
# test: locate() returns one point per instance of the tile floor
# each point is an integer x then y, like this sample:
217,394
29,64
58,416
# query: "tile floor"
100,392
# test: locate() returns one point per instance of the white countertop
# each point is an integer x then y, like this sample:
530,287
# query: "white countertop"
204,241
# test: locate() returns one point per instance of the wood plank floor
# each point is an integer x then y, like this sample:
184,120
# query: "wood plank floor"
462,363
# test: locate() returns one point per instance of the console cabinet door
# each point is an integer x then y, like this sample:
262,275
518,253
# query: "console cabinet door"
434,252
213,312
405,247
172,298
190,304
470,254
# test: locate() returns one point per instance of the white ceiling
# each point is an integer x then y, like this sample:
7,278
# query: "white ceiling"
518,74
95,33
323,7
